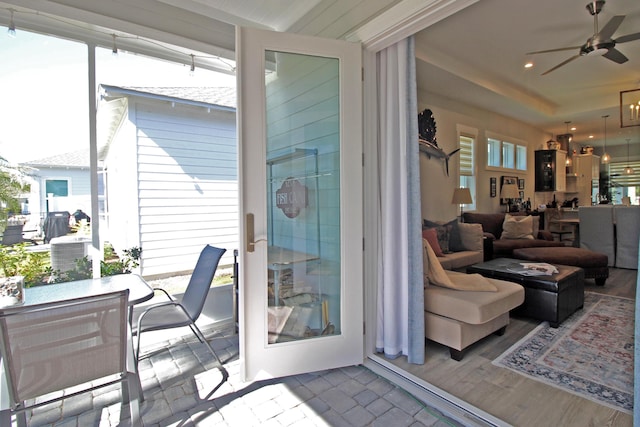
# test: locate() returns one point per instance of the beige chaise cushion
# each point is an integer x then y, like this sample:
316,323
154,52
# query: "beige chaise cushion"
473,307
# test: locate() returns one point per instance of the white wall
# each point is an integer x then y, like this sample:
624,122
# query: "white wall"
175,186
122,230
437,188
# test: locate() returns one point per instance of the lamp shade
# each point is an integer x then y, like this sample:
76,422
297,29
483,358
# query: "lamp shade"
509,191
461,196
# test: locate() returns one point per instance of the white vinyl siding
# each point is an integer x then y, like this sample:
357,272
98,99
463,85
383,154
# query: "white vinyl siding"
186,186
312,124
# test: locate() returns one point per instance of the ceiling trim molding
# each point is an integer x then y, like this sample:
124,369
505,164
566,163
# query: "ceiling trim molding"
486,81
201,8
404,19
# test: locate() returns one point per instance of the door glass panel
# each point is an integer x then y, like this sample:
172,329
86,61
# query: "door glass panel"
303,196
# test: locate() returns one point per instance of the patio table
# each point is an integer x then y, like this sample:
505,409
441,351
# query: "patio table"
139,291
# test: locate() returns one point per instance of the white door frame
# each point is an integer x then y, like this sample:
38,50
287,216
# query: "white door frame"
399,22
260,359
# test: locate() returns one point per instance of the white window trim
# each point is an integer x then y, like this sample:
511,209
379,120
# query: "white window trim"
470,132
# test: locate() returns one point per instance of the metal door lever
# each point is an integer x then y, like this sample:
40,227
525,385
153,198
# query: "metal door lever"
251,242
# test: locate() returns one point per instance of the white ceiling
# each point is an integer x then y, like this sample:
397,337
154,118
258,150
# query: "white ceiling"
476,55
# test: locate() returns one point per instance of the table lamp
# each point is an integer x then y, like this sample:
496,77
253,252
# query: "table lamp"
509,192
461,196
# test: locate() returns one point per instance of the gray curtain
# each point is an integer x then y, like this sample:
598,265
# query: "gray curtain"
400,309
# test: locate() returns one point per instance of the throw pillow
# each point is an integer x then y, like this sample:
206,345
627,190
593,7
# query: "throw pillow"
438,276
434,273
431,236
517,227
446,233
471,236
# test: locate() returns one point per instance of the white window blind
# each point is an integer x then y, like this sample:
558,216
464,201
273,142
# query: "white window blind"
616,172
466,156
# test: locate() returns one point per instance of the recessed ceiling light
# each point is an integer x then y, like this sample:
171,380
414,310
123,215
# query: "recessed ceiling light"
528,65
590,136
573,128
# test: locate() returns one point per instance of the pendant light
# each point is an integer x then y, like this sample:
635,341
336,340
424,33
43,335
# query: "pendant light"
606,158
628,170
568,138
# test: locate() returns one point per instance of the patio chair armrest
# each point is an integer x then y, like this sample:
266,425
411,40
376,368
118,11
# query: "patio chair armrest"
166,293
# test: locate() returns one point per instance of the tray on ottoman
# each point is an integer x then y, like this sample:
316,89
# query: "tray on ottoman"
552,298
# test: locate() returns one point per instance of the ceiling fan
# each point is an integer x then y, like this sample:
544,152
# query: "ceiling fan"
600,43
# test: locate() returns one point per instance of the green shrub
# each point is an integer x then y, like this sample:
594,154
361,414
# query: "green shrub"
84,267
36,266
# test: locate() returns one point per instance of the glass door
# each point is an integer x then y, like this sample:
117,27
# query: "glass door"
301,180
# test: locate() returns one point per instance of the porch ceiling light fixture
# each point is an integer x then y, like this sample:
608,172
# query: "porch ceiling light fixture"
12,26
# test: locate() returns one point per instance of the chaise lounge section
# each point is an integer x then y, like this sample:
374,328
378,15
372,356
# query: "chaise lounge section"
460,309
458,319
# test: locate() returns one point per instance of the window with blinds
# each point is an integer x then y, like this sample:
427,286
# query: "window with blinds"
467,167
466,156
619,178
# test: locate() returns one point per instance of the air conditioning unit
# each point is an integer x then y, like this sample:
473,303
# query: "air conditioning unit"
66,250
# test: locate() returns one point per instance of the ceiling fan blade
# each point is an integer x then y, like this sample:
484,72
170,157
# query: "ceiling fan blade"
616,56
554,50
561,64
607,31
628,38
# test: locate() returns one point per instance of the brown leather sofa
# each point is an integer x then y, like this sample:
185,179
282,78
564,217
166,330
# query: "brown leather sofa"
497,247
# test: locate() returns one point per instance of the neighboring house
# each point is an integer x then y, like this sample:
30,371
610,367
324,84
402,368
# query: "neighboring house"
170,165
58,183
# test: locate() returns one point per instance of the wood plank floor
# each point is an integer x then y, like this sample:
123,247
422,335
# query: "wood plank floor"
509,396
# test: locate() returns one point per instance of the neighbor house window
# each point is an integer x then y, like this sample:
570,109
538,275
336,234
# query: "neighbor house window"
57,187
467,168
506,154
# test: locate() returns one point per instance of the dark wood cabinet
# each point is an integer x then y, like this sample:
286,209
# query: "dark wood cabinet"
550,170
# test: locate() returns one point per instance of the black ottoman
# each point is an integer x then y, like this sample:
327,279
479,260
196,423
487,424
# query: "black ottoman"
552,298
593,263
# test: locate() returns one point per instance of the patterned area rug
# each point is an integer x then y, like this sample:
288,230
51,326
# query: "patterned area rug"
590,354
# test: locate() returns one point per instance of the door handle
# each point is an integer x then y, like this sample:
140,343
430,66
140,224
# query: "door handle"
249,231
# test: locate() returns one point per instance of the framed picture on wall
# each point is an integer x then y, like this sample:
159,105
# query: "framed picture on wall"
521,184
492,186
